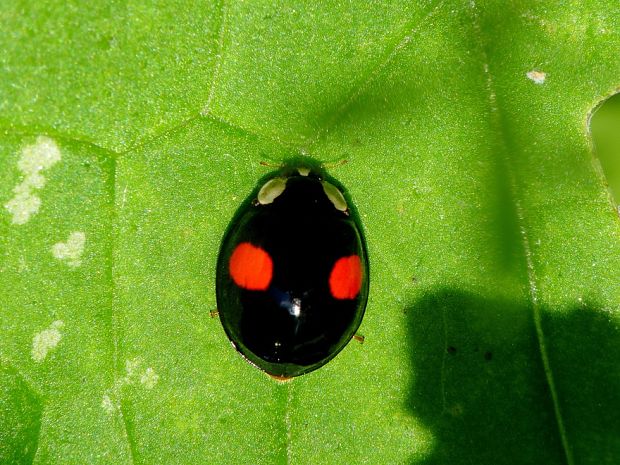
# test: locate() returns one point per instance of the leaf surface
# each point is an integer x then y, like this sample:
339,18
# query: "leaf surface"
132,132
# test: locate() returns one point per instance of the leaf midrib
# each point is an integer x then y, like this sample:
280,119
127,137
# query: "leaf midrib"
498,122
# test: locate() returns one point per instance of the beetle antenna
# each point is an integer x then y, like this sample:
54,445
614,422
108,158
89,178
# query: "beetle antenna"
335,164
271,165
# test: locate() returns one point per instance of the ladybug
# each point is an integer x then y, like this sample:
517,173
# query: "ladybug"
292,272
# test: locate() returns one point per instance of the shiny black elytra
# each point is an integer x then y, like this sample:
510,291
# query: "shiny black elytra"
295,316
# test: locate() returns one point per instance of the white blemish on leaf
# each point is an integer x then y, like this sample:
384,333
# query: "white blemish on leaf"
22,265
42,155
133,372
70,251
131,366
46,340
107,404
537,76
124,198
149,378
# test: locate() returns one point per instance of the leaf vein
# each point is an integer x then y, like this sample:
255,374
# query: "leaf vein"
276,140
114,317
220,53
287,423
496,119
390,54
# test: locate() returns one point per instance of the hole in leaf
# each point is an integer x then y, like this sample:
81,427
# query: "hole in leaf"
605,133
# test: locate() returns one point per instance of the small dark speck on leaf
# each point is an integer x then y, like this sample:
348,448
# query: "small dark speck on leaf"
452,350
456,410
488,356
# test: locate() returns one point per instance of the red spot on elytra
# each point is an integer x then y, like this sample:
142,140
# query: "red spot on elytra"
251,267
345,280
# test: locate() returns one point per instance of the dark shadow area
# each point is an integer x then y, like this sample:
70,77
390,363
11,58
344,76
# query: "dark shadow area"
481,388
584,354
20,418
605,133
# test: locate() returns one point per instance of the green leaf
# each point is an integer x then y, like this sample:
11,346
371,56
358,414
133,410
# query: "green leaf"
132,131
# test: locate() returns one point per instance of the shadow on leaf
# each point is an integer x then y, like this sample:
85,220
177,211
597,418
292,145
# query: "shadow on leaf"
20,418
480,384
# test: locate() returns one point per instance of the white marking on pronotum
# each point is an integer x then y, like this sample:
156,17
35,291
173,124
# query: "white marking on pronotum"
46,340
70,251
271,190
35,158
335,196
537,76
